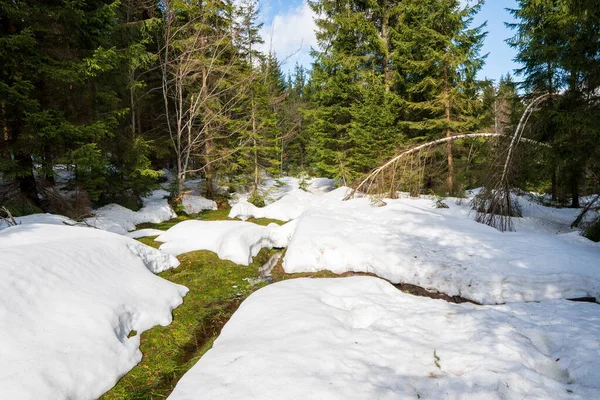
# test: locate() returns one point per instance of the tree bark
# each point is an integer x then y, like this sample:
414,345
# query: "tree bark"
254,133
575,190
554,186
449,155
385,33
26,180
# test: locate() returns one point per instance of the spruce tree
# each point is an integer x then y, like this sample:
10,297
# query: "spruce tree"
54,91
557,43
438,55
353,73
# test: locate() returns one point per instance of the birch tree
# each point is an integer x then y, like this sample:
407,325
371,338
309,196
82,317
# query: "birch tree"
198,64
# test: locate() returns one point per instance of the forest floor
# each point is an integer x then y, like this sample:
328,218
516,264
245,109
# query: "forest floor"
217,288
494,310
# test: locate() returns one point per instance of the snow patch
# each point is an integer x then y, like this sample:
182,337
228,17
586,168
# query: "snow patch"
49,219
235,241
69,298
195,204
118,219
360,338
409,241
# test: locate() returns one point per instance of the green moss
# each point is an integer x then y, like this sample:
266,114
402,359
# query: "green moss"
210,215
217,288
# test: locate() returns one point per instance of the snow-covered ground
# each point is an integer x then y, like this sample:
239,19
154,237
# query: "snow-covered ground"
69,298
118,219
235,241
50,219
274,189
289,206
361,338
410,241
193,204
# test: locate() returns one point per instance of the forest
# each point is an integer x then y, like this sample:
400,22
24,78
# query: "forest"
190,211
118,91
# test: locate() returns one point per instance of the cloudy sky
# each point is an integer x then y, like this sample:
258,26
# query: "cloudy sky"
289,30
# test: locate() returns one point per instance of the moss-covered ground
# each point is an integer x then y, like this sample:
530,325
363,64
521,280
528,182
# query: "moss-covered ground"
217,288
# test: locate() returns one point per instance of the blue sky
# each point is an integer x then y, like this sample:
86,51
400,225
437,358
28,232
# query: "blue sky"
500,58
288,30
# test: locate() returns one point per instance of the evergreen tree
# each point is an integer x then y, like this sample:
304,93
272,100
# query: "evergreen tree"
258,124
54,92
294,137
438,53
558,43
353,70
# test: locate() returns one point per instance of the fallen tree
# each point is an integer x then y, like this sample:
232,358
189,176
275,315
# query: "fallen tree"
493,203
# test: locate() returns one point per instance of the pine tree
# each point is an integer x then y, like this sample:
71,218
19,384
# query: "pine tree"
258,124
353,71
438,54
56,102
557,42
294,137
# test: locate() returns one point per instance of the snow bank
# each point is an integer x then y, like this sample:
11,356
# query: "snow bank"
69,297
409,241
360,338
235,241
50,219
290,206
195,204
274,189
118,219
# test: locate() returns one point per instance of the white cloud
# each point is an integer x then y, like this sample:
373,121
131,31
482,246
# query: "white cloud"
291,34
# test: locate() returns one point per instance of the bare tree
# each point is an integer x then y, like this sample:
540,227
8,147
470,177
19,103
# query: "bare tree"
198,62
493,204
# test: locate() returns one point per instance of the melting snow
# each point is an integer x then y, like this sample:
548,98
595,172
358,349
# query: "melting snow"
69,297
360,338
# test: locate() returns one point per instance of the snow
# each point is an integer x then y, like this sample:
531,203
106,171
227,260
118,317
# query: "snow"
50,219
194,204
140,233
118,219
69,297
235,241
360,338
113,217
274,189
409,241
288,207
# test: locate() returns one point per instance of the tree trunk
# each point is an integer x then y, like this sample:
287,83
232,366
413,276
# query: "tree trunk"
254,133
554,185
386,39
449,152
208,169
180,176
575,190
26,180
447,111
4,147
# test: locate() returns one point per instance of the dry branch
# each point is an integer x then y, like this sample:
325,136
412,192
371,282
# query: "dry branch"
494,203
392,162
10,220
